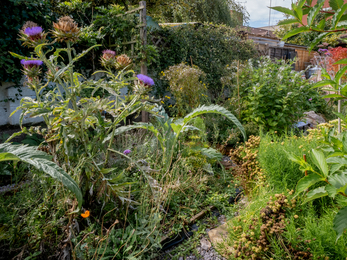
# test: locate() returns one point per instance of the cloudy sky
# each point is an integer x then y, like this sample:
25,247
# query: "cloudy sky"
259,11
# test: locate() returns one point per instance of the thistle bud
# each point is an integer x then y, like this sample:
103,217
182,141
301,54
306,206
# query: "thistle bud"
66,30
31,69
108,58
32,35
123,61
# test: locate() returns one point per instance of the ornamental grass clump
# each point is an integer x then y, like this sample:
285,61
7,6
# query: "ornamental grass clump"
186,85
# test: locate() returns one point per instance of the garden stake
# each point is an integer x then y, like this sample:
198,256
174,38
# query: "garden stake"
305,161
238,88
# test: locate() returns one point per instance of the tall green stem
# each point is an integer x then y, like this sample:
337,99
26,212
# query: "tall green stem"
73,98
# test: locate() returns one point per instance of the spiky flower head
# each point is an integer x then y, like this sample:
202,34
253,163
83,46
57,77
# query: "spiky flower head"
31,63
108,58
123,61
66,29
108,54
31,69
32,34
145,80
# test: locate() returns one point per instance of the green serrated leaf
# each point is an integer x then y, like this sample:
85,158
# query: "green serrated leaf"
343,61
332,191
318,39
338,180
283,10
215,109
287,21
314,11
307,182
340,73
321,24
337,16
319,160
335,4
295,32
315,194
324,83
340,222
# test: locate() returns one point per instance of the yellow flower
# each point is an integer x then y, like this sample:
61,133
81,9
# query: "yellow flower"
162,102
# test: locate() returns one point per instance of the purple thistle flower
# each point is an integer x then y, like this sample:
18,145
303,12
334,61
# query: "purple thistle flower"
108,54
310,99
127,151
33,31
31,63
147,81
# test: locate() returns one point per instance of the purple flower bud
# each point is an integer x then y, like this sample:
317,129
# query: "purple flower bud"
108,54
126,152
310,99
31,63
147,81
33,31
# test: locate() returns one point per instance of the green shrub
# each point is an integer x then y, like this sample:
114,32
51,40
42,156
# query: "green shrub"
274,96
210,47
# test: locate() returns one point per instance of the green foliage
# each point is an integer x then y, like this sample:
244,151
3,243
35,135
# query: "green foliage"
33,214
169,131
281,173
186,86
212,11
41,161
14,14
329,169
272,95
315,19
210,47
307,228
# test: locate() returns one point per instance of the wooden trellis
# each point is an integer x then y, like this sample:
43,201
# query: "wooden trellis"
143,38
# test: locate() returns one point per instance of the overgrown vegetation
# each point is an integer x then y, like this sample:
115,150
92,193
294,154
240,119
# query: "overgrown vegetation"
122,189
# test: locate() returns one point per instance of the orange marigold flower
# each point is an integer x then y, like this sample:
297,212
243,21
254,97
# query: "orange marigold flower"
85,214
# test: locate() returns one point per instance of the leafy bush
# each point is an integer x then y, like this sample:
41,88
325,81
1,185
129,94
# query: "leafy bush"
186,86
273,95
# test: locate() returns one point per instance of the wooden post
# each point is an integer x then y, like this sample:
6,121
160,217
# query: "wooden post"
238,88
143,36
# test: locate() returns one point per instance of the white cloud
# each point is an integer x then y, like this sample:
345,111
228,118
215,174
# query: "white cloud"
259,11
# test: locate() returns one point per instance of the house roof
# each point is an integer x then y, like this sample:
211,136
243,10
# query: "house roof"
252,31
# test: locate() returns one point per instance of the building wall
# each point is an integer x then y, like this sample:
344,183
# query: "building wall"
7,90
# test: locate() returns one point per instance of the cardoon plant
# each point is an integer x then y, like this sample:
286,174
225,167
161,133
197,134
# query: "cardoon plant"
70,118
